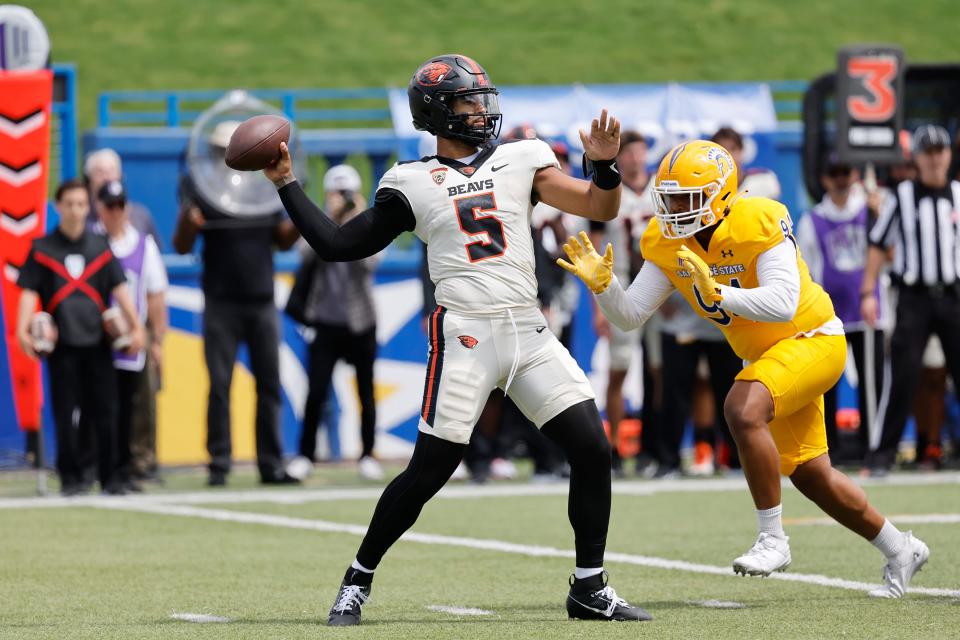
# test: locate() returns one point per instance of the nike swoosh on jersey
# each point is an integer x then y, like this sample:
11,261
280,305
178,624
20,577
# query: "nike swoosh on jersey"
500,167
540,329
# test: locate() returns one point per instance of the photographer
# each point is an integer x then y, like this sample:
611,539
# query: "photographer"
336,300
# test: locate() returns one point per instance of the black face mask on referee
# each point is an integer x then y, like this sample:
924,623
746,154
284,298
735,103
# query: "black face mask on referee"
919,227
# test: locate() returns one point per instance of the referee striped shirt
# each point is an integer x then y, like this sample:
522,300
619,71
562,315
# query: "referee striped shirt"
923,226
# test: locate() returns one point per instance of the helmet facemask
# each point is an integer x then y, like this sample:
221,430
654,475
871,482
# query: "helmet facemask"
470,115
683,211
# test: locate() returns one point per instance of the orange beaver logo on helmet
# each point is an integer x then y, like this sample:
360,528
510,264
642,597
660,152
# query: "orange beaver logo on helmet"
433,73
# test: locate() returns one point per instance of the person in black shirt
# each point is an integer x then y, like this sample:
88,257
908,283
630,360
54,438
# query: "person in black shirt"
919,222
237,284
73,275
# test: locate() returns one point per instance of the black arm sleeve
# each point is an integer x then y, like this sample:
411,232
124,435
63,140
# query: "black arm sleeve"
362,236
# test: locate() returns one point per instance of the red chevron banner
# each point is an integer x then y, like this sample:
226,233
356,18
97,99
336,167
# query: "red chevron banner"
25,99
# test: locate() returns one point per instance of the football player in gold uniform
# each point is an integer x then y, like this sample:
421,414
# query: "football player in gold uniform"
736,262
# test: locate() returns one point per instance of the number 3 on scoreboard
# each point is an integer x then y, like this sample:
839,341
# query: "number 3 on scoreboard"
878,74
494,243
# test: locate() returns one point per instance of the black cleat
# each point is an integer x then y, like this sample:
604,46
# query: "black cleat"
593,599
354,592
217,479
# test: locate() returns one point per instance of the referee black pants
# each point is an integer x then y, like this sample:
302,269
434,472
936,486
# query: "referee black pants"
680,361
333,343
83,386
920,312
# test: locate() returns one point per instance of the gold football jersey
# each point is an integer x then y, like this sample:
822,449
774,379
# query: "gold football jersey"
752,226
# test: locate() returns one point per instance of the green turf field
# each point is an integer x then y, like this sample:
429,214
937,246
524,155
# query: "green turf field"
268,564
184,44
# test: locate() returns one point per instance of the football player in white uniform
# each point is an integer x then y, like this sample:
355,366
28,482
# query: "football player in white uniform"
471,204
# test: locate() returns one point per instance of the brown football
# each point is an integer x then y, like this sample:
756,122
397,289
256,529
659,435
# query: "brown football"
256,142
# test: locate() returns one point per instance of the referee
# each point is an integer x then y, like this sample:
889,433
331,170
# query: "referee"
920,222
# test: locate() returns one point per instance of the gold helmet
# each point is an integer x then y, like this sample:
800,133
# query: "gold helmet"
694,187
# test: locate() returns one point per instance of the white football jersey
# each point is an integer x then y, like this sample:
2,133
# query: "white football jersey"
475,220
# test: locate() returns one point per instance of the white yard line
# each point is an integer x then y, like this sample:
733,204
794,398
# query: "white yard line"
718,604
199,617
908,518
487,545
456,492
458,611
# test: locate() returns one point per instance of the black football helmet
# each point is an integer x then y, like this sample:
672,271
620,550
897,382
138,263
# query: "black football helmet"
438,84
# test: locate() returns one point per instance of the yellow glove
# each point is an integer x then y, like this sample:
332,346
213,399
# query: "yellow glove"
595,270
705,283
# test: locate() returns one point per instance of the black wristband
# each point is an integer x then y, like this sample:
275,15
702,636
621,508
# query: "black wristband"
604,173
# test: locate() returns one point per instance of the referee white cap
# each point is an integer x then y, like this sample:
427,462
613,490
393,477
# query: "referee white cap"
930,136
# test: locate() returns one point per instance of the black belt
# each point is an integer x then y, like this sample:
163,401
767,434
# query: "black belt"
938,290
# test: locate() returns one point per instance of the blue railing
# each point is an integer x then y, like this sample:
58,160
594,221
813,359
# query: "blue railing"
788,108
169,110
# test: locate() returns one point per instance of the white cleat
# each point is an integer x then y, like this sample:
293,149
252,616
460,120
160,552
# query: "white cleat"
503,469
370,469
702,469
767,555
898,572
300,468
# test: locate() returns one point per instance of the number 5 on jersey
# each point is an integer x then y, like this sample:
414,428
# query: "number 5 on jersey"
492,242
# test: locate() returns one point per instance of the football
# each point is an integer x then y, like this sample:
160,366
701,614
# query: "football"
116,328
43,330
256,142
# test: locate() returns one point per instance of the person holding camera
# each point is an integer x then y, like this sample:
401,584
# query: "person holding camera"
73,274
335,299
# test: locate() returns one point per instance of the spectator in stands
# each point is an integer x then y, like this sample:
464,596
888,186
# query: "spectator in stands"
757,182
147,280
632,160
239,307
338,304
914,223
102,166
833,240
73,275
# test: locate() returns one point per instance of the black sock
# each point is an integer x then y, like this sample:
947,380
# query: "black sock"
357,577
588,584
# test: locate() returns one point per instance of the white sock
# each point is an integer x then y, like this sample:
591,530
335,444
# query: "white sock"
890,540
580,574
769,521
359,567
